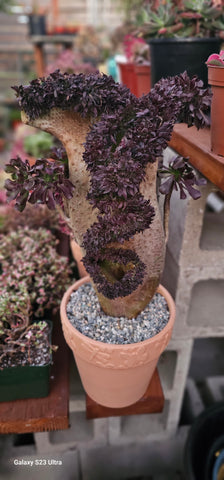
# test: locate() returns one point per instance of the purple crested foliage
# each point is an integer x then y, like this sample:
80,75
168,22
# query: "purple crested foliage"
128,134
89,95
118,256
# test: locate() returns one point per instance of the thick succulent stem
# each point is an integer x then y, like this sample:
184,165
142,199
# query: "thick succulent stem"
71,129
150,247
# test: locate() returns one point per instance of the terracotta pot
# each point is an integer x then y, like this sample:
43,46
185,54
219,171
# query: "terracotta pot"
143,79
77,255
216,80
115,375
128,77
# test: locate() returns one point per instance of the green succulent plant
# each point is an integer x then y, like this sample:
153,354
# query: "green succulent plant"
198,18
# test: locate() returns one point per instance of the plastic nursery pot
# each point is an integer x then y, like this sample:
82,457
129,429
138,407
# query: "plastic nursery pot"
143,79
37,24
128,76
115,375
171,56
28,381
205,439
216,80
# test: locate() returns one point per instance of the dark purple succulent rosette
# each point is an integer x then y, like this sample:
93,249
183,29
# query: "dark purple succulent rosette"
129,133
179,175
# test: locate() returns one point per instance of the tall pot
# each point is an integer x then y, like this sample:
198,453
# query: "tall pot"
127,76
216,80
115,375
136,77
143,79
37,24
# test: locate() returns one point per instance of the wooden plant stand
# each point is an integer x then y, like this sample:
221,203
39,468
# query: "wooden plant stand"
151,402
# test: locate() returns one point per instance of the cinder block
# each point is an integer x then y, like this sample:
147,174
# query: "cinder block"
193,403
215,388
81,432
194,269
145,459
199,304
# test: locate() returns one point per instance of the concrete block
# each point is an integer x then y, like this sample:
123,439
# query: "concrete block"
146,459
194,268
207,358
193,403
196,236
199,304
81,432
215,388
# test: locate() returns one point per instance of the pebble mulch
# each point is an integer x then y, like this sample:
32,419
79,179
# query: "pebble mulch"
85,314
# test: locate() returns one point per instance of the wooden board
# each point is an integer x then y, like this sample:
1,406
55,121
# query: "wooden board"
151,402
42,414
195,144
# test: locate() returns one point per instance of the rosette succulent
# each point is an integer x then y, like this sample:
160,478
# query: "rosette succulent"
181,18
113,142
216,59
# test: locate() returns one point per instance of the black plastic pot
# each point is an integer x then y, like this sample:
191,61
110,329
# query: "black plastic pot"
37,24
29,381
205,438
171,56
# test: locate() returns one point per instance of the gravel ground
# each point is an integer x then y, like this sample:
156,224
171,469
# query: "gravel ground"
84,312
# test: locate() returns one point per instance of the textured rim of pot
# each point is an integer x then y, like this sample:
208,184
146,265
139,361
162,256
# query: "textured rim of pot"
162,290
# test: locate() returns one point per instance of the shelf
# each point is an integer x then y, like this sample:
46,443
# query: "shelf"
66,39
195,144
151,402
42,414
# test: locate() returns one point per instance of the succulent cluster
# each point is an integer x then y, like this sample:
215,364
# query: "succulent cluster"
89,95
45,182
29,258
136,50
27,346
129,133
182,18
21,343
216,59
34,216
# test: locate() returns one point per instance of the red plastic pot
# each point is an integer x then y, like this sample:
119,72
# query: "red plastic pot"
128,77
143,79
135,77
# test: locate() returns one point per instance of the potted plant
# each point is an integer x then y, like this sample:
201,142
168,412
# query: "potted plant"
113,142
37,20
135,71
181,35
215,64
25,347
33,278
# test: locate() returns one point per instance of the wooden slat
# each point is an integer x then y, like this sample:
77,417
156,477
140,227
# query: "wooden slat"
151,402
42,414
195,144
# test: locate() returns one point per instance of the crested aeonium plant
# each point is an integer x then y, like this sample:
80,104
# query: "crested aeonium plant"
108,194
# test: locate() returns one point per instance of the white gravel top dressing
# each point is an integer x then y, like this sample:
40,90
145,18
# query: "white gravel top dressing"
86,315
